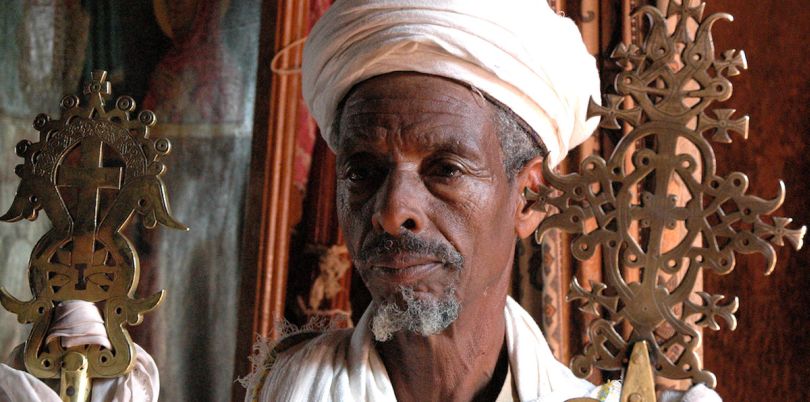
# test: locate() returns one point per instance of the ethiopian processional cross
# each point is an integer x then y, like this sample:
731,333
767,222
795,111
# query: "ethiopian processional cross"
625,207
91,171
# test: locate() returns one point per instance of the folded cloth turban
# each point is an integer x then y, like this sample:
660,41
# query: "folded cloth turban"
519,52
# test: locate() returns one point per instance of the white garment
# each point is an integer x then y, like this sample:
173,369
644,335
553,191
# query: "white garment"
520,52
343,365
80,323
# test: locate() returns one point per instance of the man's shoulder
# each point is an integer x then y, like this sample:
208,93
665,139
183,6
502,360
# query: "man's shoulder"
295,341
283,361
304,344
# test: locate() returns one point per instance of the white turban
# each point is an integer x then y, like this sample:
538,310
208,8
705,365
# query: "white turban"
519,52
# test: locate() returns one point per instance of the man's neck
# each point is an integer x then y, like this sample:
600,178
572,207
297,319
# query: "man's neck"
455,365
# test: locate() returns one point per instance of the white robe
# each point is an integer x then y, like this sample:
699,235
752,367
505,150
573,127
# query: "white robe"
343,365
80,323
140,385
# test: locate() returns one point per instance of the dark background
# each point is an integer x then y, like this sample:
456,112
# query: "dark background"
766,358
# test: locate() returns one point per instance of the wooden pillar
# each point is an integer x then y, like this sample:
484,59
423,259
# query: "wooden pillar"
590,270
268,204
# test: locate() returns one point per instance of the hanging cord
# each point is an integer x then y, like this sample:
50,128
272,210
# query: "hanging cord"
286,49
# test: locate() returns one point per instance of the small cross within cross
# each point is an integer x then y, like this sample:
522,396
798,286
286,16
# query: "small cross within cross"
88,178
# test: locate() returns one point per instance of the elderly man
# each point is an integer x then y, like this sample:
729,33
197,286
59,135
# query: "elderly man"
441,113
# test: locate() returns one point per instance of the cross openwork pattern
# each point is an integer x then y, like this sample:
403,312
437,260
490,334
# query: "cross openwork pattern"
91,171
626,208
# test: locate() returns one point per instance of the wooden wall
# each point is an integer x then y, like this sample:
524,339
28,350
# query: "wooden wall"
766,358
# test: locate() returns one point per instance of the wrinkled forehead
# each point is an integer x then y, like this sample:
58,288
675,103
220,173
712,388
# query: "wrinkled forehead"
407,100
416,86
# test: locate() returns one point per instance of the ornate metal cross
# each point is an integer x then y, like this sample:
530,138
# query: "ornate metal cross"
85,256
671,81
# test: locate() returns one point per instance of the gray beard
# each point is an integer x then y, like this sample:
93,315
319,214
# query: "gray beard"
424,317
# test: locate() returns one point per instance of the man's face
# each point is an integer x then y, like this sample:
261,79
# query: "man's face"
421,186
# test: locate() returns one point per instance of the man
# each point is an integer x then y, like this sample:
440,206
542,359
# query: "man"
441,113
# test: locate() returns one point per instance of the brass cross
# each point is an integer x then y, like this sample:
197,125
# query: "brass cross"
88,178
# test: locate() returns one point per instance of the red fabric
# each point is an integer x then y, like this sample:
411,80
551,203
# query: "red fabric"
307,130
197,81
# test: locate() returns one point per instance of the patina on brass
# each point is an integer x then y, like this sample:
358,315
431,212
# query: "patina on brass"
672,80
639,385
91,171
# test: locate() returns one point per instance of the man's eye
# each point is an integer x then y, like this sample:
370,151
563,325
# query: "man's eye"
361,174
446,170
357,174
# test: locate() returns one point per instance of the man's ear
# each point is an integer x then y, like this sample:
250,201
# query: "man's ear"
526,218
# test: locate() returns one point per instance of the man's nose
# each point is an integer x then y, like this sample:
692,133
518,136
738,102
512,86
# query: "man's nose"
400,204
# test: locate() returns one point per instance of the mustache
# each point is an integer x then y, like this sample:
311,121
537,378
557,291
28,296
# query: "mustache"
385,245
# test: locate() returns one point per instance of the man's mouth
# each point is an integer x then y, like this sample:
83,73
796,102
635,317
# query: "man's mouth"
402,269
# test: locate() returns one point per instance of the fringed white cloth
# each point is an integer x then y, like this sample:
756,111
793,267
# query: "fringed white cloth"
80,323
343,365
520,52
